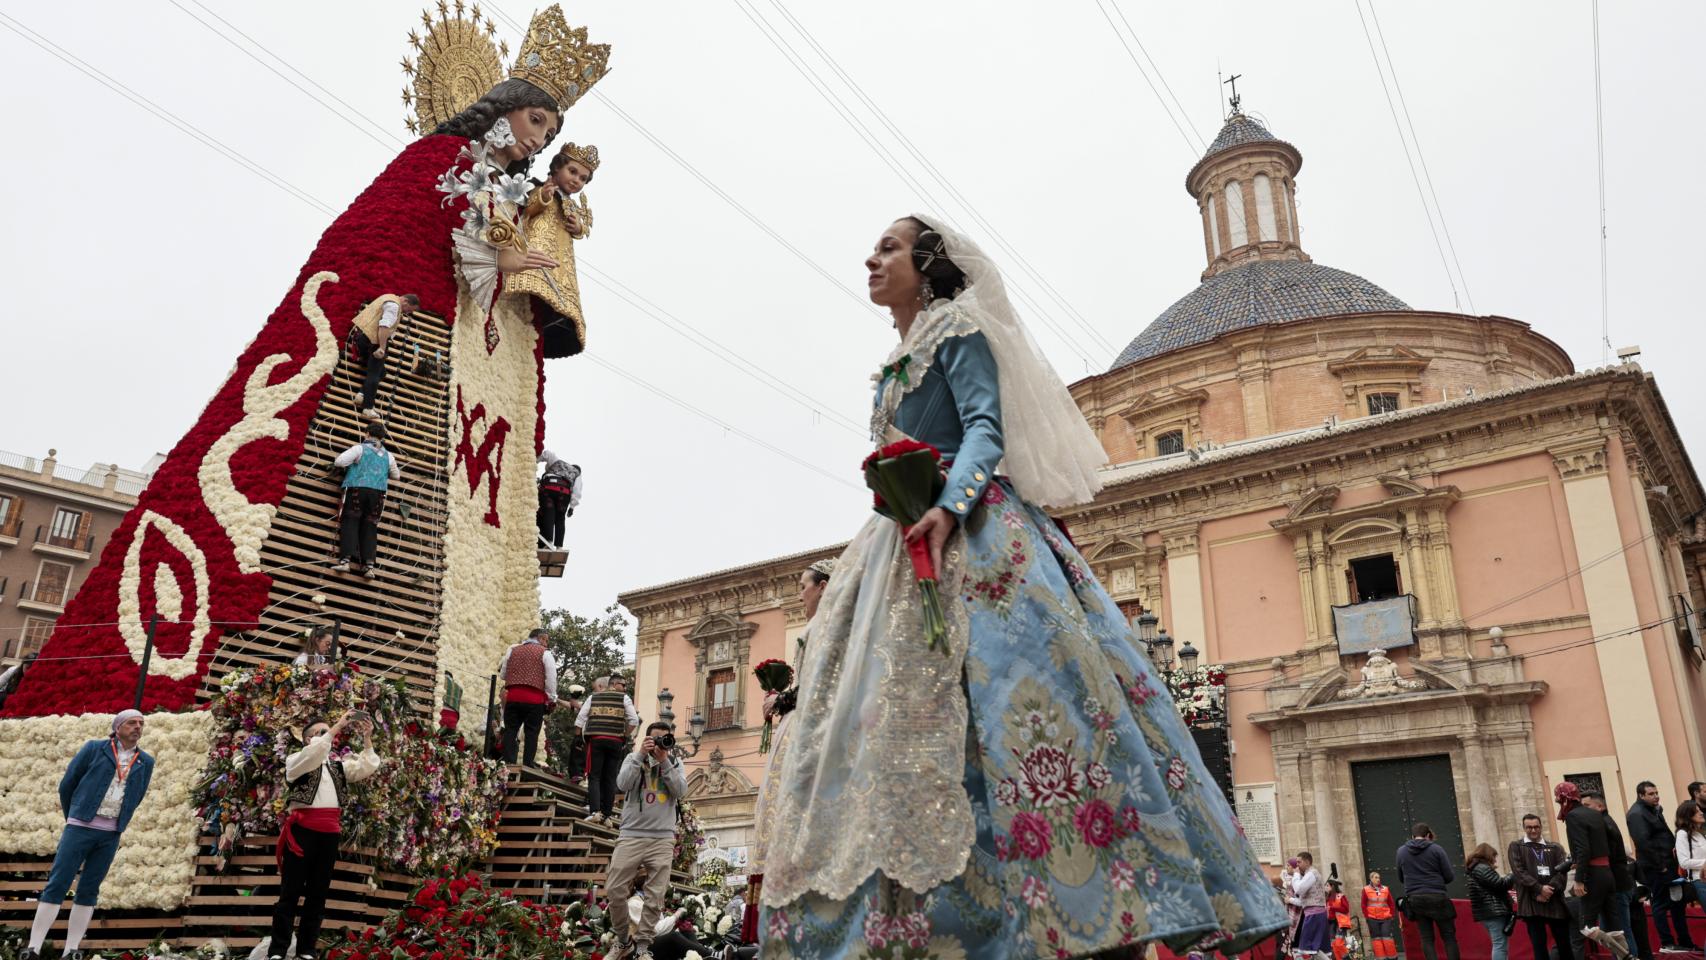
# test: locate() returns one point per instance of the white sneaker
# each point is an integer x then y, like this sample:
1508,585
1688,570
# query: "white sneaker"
623,950
342,566
370,414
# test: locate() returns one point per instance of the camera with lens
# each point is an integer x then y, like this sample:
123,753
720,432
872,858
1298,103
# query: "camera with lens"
664,741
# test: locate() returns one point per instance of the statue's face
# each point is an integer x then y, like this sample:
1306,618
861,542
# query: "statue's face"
533,128
571,177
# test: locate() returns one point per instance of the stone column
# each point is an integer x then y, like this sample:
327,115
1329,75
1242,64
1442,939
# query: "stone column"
1324,588
1326,816
1624,670
1184,581
1415,535
1312,629
1482,817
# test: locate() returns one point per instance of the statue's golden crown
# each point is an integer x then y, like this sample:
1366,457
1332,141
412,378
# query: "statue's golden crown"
586,156
557,58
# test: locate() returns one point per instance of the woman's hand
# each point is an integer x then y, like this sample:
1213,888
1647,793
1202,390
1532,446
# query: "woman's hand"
511,260
770,704
934,528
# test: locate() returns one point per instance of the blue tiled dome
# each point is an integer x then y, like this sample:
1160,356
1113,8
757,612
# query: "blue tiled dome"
1238,131
1257,293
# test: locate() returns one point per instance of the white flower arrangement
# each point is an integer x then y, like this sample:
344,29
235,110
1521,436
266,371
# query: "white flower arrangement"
156,856
491,572
725,925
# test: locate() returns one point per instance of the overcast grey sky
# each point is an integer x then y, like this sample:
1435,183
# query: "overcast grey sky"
139,269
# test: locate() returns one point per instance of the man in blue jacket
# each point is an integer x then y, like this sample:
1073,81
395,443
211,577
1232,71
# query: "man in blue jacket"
1425,871
100,790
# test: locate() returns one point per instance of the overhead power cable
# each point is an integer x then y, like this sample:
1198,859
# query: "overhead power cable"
1599,157
930,168
1421,157
392,144
1421,195
1196,147
184,126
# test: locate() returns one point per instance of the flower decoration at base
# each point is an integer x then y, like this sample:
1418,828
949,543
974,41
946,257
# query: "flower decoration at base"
455,917
434,803
906,478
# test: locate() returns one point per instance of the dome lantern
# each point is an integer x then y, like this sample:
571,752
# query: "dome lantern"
1245,189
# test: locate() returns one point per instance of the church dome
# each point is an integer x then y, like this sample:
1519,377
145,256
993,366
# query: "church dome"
1253,294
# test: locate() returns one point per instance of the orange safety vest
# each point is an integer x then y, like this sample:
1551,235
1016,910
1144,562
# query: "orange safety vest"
1379,903
1340,908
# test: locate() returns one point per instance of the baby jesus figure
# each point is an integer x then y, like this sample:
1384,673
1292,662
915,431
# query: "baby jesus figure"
553,220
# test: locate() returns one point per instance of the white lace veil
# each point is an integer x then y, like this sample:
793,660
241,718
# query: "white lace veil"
1051,454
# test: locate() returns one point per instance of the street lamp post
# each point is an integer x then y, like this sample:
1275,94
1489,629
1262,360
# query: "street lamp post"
1181,673
695,724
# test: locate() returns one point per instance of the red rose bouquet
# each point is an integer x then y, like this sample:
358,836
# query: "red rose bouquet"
774,676
906,478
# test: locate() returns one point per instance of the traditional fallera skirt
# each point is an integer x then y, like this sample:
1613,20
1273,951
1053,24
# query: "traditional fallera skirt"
1097,827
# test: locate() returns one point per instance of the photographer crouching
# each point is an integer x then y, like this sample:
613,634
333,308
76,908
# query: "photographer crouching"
653,782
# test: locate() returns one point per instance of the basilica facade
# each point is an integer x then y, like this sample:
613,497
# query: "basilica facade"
1440,568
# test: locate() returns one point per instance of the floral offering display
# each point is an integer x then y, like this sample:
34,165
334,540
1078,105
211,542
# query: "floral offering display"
702,916
1201,693
905,479
156,861
774,676
689,838
453,917
434,803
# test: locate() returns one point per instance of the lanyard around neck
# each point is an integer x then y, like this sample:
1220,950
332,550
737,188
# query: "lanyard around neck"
123,771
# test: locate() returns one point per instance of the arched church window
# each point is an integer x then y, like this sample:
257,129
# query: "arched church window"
1266,227
1235,214
1214,223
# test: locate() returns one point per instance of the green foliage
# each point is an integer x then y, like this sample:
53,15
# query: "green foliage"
586,648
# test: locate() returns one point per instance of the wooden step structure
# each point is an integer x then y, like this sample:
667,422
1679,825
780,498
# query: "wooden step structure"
546,852
389,624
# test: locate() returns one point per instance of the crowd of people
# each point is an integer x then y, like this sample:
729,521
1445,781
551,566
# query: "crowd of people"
1597,887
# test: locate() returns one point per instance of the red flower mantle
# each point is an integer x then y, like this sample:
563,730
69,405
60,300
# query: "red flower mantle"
395,238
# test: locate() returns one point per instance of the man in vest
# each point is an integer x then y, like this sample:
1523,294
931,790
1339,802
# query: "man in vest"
607,720
1377,910
529,674
100,791
316,789
370,331
368,470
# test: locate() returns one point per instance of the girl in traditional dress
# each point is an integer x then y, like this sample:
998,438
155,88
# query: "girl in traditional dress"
813,581
1031,792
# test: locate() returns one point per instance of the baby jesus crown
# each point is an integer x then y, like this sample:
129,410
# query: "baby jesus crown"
586,156
557,58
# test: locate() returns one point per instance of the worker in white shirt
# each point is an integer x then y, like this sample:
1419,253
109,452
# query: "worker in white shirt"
369,469
317,789
370,331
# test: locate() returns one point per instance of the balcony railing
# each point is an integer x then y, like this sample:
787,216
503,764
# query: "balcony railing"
52,597
84,544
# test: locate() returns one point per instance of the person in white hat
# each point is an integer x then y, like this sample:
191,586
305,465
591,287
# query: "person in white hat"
100,791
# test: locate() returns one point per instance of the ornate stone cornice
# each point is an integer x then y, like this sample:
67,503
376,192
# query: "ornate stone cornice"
1180,541
1585,458
1406,496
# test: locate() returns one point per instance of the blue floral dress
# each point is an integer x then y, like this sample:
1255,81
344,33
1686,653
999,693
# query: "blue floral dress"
1093,824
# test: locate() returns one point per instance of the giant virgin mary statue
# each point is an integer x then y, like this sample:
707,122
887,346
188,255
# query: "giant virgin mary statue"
441,221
